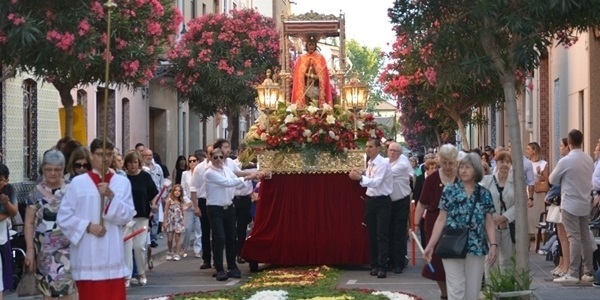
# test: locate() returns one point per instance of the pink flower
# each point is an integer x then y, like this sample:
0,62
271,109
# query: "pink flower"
154,28
431,75
83,27
97,9
150,50
248,63
130,67
3,38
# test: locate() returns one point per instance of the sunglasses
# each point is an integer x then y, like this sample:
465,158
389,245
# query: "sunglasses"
192,160
218,157
79,166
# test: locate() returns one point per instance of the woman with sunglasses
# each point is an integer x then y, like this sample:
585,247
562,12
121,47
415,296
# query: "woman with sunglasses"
79,162
192,223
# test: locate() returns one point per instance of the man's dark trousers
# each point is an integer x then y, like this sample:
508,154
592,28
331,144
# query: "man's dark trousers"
242,214
377,218
205,225
399,232
222,222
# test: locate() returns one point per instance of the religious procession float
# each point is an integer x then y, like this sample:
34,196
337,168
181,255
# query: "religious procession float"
309,136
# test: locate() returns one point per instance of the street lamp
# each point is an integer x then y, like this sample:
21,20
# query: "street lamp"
269,93
356,95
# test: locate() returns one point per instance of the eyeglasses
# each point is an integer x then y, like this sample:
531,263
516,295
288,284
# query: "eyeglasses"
79,166
50,170
218,157
192,160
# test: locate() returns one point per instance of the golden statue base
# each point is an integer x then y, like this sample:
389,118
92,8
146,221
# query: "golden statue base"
323,163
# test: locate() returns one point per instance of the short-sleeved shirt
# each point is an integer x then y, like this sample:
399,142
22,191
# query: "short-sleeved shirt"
9,191
459,207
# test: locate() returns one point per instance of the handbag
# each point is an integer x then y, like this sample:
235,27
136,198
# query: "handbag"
28,286
511,225
541,185
554,214
454,241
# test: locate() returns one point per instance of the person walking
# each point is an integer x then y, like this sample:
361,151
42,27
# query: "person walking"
192,222
95,231
378,205
467,204
174,225
220,185
573,173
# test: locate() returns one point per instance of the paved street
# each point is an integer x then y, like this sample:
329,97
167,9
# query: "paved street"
185,276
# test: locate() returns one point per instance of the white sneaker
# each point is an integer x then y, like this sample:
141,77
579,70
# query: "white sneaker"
197,255
587,278
143,280
184,254
127,283
176,257
566,279
169,256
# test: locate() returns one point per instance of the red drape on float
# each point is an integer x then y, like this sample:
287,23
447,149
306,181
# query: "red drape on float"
311,219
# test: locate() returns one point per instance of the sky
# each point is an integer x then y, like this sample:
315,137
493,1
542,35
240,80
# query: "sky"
366,21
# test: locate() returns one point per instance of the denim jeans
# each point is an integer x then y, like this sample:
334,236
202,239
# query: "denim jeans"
192,228
222,223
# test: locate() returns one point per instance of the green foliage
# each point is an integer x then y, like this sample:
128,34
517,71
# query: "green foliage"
509,280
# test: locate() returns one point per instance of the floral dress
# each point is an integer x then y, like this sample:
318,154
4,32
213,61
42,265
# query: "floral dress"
459,208
52,246
175,221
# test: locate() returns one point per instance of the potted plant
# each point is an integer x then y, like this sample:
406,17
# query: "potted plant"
511,283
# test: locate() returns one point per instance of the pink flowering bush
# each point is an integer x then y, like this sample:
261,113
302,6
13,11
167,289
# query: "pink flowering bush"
64,41
220,59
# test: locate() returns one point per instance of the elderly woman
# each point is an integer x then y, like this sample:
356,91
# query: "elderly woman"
502,189
42,235
79,163
143,191
467,204
192,222
429,199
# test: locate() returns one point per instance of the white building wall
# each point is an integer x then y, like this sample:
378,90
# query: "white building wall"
569,79
48,131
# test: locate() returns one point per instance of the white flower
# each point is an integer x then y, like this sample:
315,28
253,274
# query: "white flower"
372,133
283,128
333,136
326,107
270,295
360,124
330,119
312,109
289,119
307,133
320,131
263,136
393,295
292,108
309,140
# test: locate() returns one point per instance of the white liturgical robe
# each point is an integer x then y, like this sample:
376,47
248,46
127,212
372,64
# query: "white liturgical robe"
94,258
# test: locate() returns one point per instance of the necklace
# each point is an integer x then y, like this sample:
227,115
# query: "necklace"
446,180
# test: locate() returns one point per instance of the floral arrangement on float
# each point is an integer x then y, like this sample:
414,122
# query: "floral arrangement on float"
330,129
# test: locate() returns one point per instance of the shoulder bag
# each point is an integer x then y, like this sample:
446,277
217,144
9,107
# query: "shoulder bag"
541,185
28,286
454,241
511,225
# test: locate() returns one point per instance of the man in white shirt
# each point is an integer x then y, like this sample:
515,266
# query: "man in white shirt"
401,173
573,173
378,205
220,186
596,175
97,249
157,176
198,195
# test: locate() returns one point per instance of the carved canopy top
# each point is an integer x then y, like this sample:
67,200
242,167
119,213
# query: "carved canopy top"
311,16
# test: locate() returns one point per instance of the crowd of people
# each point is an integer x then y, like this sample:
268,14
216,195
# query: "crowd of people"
476,190
101,248
98,249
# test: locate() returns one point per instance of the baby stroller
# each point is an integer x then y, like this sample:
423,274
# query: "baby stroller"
13,254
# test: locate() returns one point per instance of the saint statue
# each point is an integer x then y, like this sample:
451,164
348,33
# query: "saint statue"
311,77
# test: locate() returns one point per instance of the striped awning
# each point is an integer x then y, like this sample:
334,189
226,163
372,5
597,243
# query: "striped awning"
325,28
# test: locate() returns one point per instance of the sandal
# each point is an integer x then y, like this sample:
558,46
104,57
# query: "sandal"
150,264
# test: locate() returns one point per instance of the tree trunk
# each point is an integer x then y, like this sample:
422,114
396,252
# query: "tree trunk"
514,130
64,90
233,128
461,128
437,136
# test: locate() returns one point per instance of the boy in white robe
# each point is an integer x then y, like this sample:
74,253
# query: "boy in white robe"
97,261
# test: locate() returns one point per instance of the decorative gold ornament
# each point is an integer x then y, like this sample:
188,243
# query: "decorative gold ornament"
295,163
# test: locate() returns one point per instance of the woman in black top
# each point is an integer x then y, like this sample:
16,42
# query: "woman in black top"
143,191
180,167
